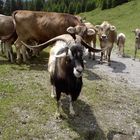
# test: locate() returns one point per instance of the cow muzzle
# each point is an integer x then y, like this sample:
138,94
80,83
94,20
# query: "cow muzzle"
104,37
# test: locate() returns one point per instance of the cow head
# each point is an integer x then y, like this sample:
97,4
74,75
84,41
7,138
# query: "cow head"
137,34
74,59
104,30
81,31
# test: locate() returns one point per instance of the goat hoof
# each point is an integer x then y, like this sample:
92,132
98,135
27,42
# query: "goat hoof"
53,95
72,113
57,115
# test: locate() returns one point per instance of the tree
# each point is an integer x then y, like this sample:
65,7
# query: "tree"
7,7
19,4
39,5
13,5
1,6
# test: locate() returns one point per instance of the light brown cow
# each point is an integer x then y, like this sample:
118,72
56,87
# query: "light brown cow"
137,41
91,37
107,36
42,26
7,35
121,43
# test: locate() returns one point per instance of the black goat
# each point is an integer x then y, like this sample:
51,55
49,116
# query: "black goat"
65,66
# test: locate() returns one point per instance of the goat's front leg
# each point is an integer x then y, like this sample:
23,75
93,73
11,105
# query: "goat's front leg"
71,110
53,93
57,114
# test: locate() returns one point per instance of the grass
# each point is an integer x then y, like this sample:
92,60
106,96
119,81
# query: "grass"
26,108
125,17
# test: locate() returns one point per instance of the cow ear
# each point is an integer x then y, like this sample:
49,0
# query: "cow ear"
97,26
112,28
133,31
90,32
71,30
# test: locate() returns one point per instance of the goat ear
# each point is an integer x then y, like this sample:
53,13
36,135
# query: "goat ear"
62,52
90,32
71,30
133,31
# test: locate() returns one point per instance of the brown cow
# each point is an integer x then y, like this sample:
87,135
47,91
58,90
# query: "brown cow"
91,37
107,36
42,26
121,43
7,35
137,41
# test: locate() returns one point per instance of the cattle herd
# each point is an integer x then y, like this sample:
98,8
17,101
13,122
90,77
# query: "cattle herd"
69,35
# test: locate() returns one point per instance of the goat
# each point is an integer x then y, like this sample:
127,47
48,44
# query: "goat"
65,67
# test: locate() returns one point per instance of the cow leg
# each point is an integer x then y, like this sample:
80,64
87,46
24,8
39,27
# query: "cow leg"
2,50
71,110
89,54
9,52
24,54
94,46
58,95
101,59
109,54
135,53
123,54
18,47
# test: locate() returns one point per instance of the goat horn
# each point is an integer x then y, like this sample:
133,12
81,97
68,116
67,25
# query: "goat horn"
90,48
45,44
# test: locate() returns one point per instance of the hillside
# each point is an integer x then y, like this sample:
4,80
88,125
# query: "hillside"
125,17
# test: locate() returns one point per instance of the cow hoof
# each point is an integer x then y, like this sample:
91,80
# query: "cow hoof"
89,57
109,64
18,61
84,61
27,62
134,59
100,62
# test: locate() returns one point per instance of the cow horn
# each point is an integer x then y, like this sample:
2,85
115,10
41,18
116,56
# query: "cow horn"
45,44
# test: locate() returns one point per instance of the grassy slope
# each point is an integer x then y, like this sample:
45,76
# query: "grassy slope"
125,17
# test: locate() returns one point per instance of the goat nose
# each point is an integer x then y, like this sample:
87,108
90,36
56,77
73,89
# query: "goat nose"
79,69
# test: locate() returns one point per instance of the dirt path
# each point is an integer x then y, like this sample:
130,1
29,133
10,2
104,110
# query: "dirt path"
122,68
120,114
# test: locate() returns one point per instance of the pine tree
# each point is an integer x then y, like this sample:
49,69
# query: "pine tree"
7,7
1,7
13,5
39,5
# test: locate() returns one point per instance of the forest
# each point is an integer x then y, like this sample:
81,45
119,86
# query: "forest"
63,6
